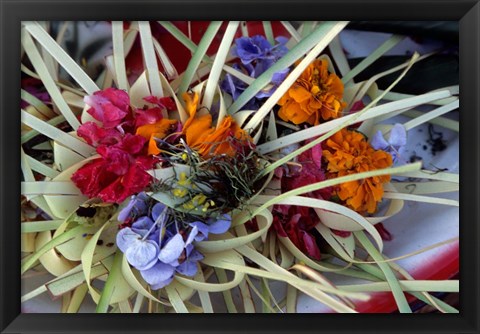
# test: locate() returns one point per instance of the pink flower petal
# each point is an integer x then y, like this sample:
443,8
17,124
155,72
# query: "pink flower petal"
132,144
148,116
163,102
109,106
95,135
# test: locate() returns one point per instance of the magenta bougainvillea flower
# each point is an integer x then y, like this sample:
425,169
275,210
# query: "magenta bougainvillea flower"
295,222
121,169
109,106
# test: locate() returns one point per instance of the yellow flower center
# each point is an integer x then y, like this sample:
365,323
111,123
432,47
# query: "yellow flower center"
315,89
184,183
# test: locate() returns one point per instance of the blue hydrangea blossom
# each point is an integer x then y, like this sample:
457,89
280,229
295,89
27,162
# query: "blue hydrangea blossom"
256,55
159,250
395,143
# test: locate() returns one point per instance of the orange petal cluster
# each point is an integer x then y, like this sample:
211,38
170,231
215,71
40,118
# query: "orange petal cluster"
158,130
347,152
205,139
316,95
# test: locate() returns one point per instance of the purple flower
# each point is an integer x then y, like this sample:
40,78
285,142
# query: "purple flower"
159,276
157,210
214,226
277,79
235,87
219,225
189,267
142,225
172,250
136,207
155,245
257,55
140,253
395,144
162,273
257,47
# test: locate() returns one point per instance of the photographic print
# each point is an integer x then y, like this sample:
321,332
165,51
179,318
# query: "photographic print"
240,167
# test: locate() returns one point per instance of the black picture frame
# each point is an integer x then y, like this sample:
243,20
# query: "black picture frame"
12,12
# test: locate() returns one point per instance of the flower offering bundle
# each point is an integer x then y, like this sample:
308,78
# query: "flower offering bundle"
256,177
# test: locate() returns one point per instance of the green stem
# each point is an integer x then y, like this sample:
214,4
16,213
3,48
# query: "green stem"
397,291
109,287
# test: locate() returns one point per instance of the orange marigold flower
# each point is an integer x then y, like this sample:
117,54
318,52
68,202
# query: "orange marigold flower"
205,139
315,95
347,152
152,131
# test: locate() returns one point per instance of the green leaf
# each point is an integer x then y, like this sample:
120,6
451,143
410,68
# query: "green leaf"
218,63
227,294
56,134
248,304
119,55
64,237
111,283
292,294
37,103
423,296
180,36
422,199
47,80
40,226
49,188
34,293
62,285
150,58
266,308
380,51
406,285
267,27
199,54
428,116
32,133
292,31
134,282
170,70
42,168
61,56
87,259
175,299
339,56
77,298
397,291
436,71
307,28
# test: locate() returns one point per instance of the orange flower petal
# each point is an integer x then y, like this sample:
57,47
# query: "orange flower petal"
152,131
347,152
318,92
152,146
198,129
160,128
191,103
202,137
299,93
